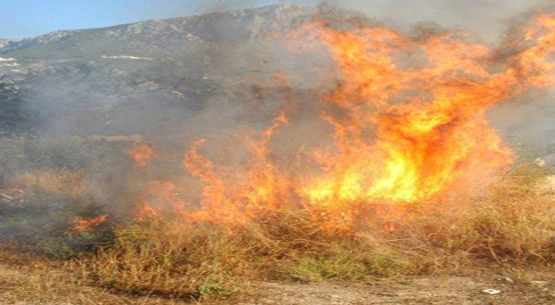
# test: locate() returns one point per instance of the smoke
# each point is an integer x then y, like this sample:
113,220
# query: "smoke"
225,77
526,119
484,19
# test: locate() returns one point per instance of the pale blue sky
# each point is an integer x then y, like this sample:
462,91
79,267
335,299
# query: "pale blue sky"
26,18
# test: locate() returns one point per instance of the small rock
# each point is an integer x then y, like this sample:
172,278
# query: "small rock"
540,162
7,197
539,283
549,233
491,291
508,280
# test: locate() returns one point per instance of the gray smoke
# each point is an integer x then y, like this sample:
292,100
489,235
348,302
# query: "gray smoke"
484,19
220,77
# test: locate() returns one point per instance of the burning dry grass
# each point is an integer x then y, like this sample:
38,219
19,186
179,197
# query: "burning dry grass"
513,224
174,257
399,186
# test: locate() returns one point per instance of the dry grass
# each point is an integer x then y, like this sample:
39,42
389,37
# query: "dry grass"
49,181
29,279
512,224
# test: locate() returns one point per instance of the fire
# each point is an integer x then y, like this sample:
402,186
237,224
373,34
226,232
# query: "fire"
142,153
408,119
261,187
431,134
426,139
158,195
146,212
83,225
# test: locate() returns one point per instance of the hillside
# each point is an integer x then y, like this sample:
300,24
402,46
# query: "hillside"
181,62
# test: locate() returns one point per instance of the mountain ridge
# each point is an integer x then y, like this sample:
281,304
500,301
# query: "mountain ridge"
172,28
95,81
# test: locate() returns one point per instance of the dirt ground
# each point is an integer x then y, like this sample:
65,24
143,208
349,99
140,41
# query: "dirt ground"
465,290
24,281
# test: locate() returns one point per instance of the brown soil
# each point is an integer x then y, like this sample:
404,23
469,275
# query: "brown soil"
430,290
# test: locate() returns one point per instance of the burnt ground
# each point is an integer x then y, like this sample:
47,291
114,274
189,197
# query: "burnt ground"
32,281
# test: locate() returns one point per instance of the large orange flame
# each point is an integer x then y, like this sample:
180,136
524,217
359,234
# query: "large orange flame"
409,121
429,119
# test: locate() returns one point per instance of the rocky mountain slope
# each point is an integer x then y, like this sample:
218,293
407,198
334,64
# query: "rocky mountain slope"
89,80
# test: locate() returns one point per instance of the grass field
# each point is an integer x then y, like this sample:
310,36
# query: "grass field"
509,226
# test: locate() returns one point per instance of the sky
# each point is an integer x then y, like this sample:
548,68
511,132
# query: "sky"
28,18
